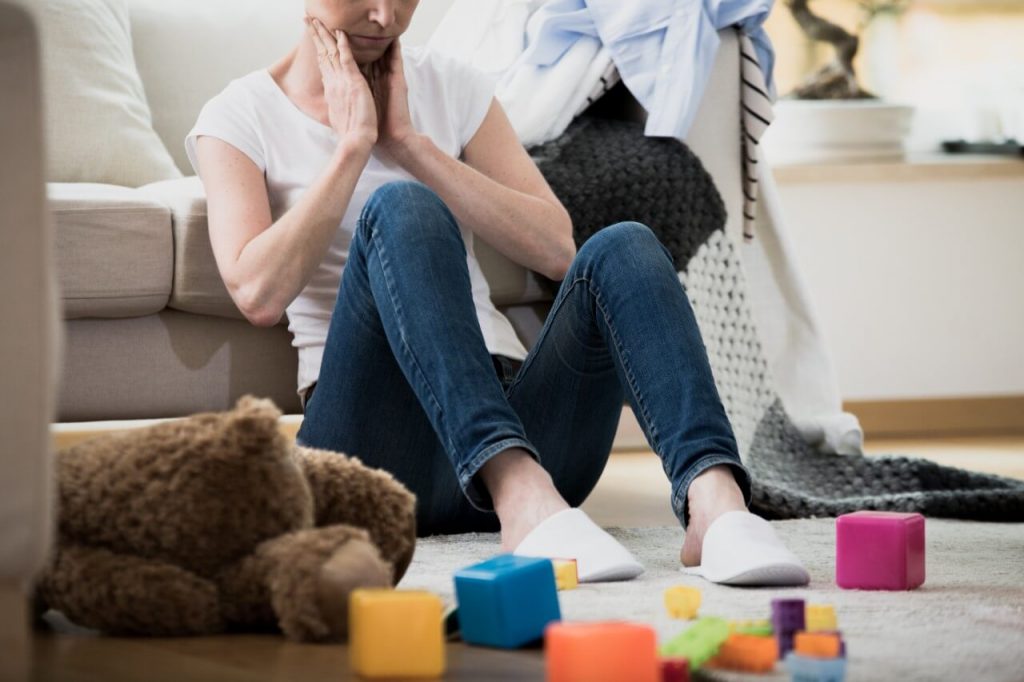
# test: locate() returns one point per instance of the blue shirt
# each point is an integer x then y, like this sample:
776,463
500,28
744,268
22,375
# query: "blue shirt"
664,49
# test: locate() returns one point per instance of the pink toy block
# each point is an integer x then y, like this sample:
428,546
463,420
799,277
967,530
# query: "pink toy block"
879,551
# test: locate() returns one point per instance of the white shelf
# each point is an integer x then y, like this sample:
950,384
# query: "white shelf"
920,166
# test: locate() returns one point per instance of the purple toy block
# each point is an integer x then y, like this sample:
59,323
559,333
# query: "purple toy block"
879,551
785,642
787,619
788,615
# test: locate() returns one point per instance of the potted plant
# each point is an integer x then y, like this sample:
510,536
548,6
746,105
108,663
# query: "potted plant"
831,116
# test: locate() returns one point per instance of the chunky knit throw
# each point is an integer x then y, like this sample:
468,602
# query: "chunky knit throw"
605,171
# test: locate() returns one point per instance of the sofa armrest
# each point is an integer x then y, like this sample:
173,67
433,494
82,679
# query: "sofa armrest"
114,250
30,337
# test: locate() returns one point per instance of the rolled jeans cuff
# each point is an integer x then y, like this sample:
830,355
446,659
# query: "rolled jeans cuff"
739,472
472,487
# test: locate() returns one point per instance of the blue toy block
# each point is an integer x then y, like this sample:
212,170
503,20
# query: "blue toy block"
506,601
806,669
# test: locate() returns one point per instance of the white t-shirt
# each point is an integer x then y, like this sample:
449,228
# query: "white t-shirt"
447,102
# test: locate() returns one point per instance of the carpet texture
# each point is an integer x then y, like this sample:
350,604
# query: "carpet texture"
607,171
965,623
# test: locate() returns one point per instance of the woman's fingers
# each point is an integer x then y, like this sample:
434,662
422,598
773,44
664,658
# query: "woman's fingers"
347,59
396,65
330,44
321,49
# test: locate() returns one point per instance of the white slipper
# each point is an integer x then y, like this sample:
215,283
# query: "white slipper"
741,548
570,534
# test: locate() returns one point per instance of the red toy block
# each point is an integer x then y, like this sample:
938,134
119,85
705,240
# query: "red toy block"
879,550
608,651
748,653
817,644
675,670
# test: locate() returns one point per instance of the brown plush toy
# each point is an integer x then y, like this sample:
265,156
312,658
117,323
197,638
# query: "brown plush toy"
218,522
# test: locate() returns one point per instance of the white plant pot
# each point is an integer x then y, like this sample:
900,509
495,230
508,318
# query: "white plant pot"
824,131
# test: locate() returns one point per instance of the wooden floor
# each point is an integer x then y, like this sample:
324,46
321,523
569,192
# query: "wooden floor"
633,492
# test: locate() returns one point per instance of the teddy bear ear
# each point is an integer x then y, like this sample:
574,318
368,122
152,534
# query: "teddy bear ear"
256,412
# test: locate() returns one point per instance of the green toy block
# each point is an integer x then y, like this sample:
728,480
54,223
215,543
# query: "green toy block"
757,628
698,643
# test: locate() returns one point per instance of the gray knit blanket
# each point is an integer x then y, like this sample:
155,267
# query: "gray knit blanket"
605,171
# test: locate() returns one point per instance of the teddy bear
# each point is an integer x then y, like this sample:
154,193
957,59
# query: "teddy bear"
218,522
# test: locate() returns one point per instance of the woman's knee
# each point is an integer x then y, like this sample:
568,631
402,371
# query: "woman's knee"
627,241
406,203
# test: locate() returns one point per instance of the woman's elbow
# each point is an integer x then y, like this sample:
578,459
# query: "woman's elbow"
564,254
252,302
561,262
263,318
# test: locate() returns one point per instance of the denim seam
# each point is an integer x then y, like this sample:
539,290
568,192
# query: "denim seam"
645,413
679,498
381,254
545,330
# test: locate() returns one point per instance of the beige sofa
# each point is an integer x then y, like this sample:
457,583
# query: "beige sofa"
151,330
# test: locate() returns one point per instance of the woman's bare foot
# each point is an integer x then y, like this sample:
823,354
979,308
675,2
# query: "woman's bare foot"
713,493
523,494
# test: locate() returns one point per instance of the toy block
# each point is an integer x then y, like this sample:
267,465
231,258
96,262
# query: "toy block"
784,640
682,602
567,575
788,615
820,617
879,551
746,653
804,669
816,644
395,633
699,642
506,601
609,651
758,628
675,670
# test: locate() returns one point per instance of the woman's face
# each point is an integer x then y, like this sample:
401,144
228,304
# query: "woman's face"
371,25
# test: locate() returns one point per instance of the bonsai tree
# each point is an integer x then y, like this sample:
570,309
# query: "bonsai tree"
837,80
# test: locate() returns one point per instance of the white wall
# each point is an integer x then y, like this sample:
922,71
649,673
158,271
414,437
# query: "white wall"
428,15
919,284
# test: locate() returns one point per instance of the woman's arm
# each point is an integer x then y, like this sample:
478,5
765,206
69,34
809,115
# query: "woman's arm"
266,264
498,193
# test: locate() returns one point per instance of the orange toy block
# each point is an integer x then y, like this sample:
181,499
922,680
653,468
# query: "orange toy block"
566,574
816,644
682,602
747,653
608,651
395,633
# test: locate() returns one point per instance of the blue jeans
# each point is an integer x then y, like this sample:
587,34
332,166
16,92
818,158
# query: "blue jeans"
407,383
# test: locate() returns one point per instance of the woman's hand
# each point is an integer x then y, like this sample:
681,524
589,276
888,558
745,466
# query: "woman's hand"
391,93
351,108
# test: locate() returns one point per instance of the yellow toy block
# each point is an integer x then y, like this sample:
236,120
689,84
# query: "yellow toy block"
566,574
758,628
395,633
820,618
682,602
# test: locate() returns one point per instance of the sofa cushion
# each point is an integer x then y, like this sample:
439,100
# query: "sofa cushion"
197,284
97,121
188,50
114,250
198,287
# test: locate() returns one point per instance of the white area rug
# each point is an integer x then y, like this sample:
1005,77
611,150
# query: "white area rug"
965,623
